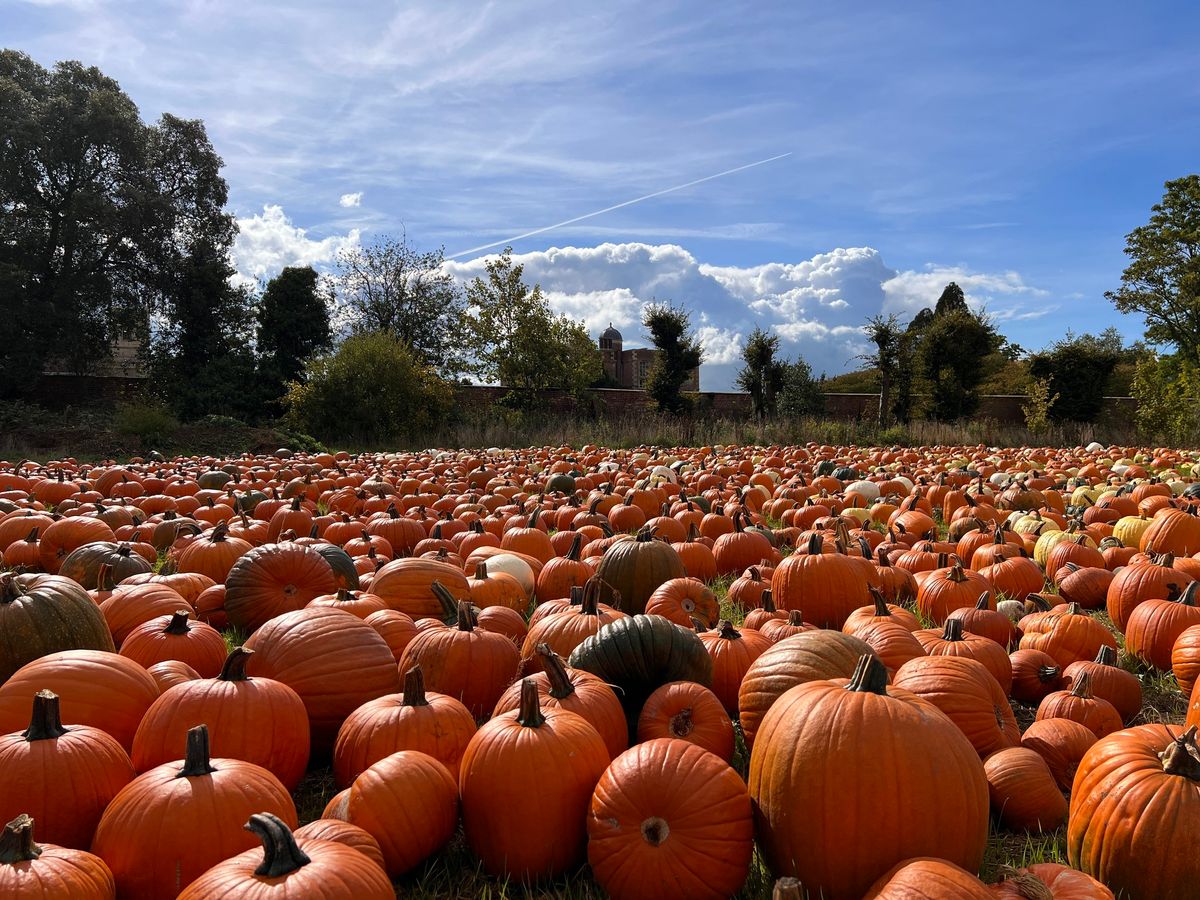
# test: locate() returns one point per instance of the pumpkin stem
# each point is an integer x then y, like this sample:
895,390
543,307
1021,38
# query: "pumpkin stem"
556,672
219,533
414,687
447,600
682,723
956,573
46,722
870,676
1106,656
234,668
953,630
881,607
281,855
1049,673
196,757
1182,756
1083,687
985,601
178,624
816,542
481,571
795,617
726,630
767,603
576,547
753,573
530,712
16,843
466,616
787,889
1189,594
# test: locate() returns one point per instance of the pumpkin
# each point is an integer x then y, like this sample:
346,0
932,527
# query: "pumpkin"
741,548
95,688
1155,625
1175,531
631,570
953,640
1118,830
1049,880
891,642
43,614
812,656
500,589
1071,635
746,590
564,631
64,777
880,611
408,802
732,653
969,696
816,739
396,628
465,662
1035,674
171,672
63,536
1108,680
684,710
344,833
272,580
526,780
1185,658
765,612
1136,583
334,661
82,566
131,605
435,724
407,585
257,720
827,586
669,819
985,621
29,870
288,868
1062,744
948,589
927,878
191,814
176,637
213,554
683,599
575,691
1023,791
1079,705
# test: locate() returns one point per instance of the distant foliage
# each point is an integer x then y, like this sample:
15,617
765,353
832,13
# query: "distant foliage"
1166,389
801,394
1038,402
954,341
1077,369
293,325
149,421
670,329
762,375
373,389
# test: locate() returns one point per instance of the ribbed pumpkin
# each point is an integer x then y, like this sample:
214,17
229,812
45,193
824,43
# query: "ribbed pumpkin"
1070,635
638,654
669,819
213,554
1024,794
407,585
465,662
948,589
31,870
432,723
631,570
1185,658
526,780
1088,586
740,548
257,720
1035,674
64,777
1051,881
176,637
1079,705
65,535
408,802
983,619
812,656
880,611
1108,680
171,672
272,580
191,813
1175,531
561,574
95,688
1062,744
395,627
1118,830
732,653
334,661
927,878
969,696
576,691
288,868
41,614
817,739
566,630
687,711
828,587
82,566
683,600
746,590
1155,625
952,640
1136,583
131,605
344,833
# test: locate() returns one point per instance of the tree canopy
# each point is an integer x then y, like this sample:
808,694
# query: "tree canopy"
670,329
762,375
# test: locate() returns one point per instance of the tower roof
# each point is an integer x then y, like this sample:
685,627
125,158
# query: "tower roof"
611,334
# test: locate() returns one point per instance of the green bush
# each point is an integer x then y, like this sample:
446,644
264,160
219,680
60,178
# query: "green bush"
371,390
149,421
1166,389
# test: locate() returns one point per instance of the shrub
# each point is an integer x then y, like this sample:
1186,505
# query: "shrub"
372,389
151,422
1038,402
1166,389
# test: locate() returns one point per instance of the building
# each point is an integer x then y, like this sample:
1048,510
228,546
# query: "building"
629,368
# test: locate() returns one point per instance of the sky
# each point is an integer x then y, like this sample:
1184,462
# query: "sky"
1007,147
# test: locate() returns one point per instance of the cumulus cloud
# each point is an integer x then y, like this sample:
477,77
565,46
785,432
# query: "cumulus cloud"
349,200
907,292
722,346
269,241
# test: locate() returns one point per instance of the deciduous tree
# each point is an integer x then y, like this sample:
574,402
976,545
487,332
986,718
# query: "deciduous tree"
670,329
762,375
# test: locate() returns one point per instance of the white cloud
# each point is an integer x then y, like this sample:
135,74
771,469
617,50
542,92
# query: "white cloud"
908,292
269,241
349,200
721,345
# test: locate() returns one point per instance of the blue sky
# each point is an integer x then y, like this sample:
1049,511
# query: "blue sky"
1009,146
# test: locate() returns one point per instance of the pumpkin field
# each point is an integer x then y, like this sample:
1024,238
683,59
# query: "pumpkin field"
699,672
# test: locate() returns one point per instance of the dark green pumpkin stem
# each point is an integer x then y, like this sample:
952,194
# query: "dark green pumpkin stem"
1182,756
16,842
556,672
234,668
530,712
953,630
281,854
414,688
46,722
196,758
870,676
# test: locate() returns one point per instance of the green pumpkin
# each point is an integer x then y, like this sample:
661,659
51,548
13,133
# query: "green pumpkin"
561,483
632,570
42,614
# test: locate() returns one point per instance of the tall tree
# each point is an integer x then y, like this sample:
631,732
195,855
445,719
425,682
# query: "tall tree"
518,341
762,374
1076,369
952,348
885,333
1162,280
293,324
951,300
801,394
679,352
391,286
98,213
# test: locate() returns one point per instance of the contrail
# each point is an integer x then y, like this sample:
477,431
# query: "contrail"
608,209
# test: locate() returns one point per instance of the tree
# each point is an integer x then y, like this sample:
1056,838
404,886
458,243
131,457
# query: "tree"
373,389
885,333
1162,280
762,375
293,325
1076,370
391,286
801,394
951,300
98,214
953,343
518,341
679,352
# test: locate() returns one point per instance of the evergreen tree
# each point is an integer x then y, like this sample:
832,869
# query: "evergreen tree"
293,325
762,376
679,352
